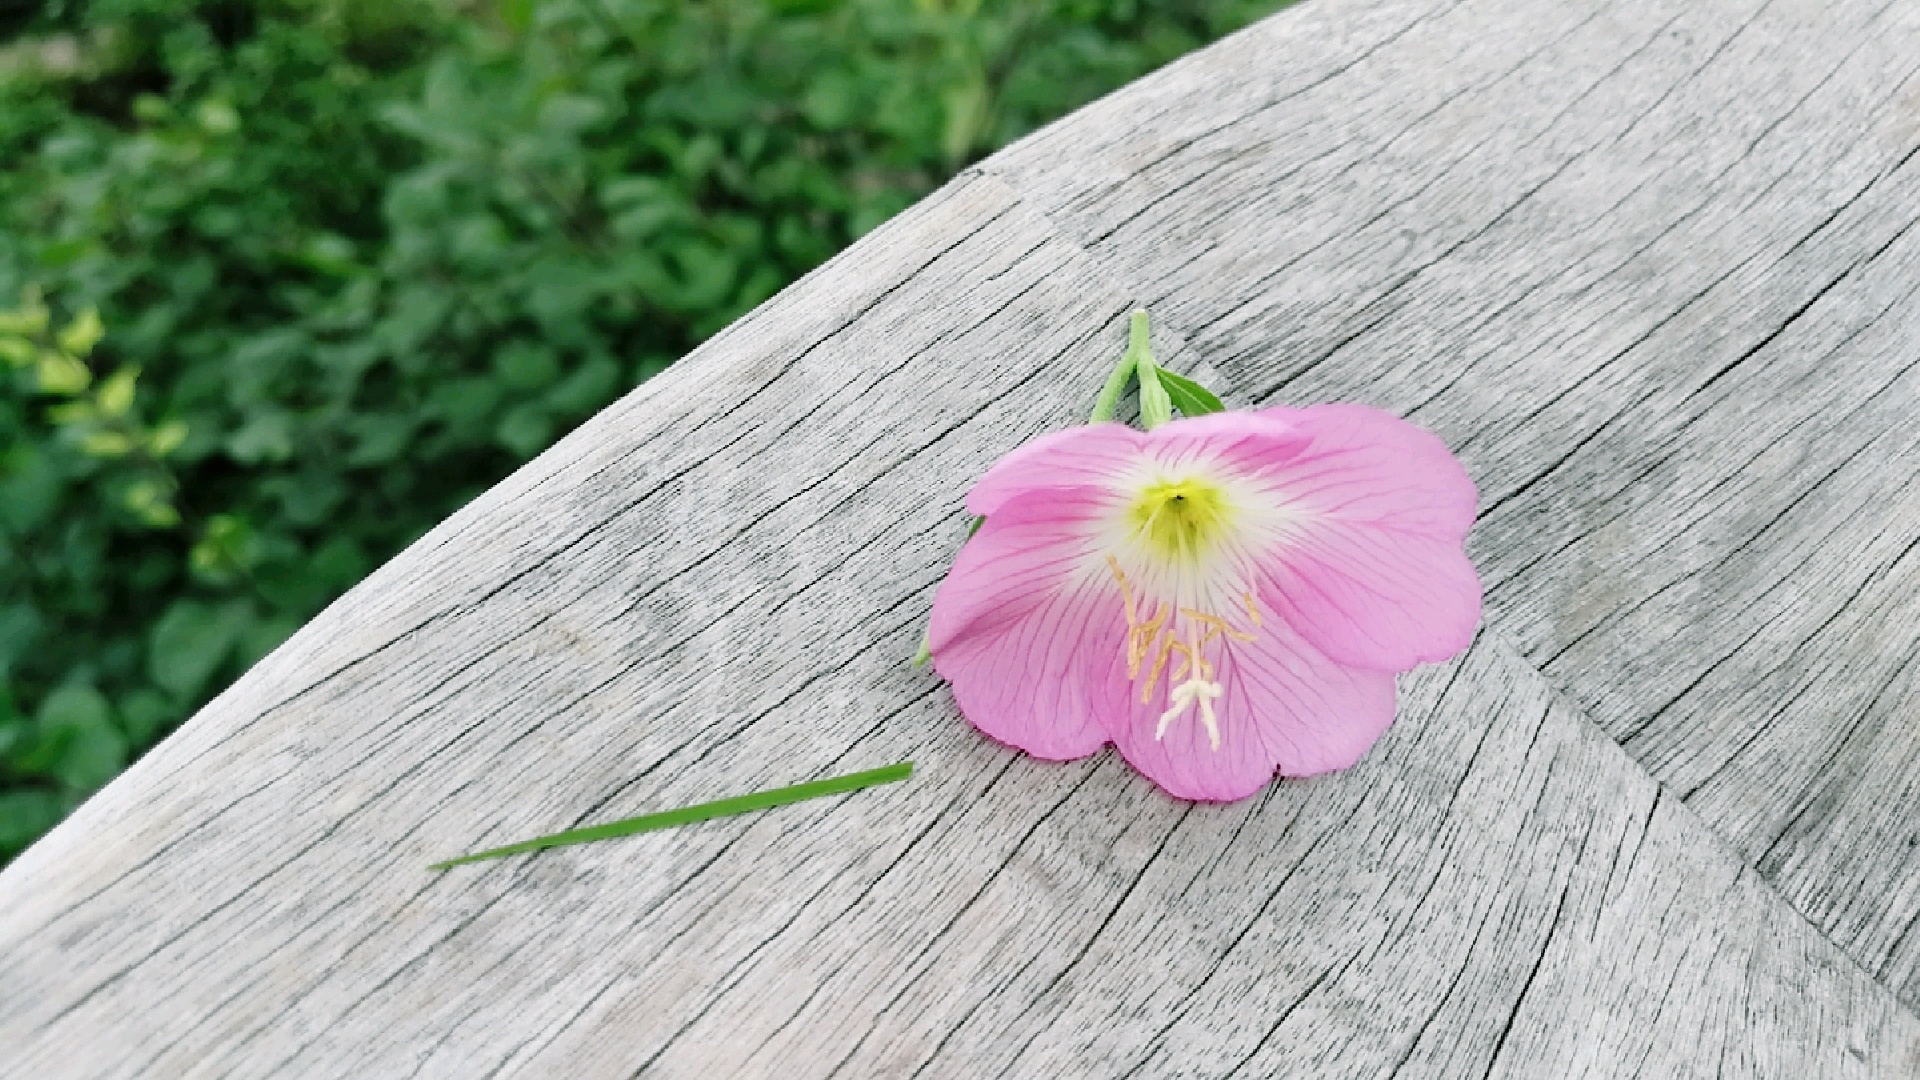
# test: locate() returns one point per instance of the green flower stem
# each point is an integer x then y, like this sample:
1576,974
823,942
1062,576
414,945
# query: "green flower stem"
1156,407
686,815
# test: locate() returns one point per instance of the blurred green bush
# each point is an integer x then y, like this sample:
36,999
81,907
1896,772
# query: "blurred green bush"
285,282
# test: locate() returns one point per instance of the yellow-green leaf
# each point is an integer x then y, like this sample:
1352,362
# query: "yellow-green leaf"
16,351
116,394
29,320
79,411
59,373
106,444
83,333
166,438
151,503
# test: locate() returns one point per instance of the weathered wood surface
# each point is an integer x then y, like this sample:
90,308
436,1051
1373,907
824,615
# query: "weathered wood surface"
1649,266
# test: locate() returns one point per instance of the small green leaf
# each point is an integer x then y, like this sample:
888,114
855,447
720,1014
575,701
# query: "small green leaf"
146,713
268,436
525,365
115,395
190,642
91,748
378,438
151,108
106,444
526,430
81,335
687,815
150,501
1188,396
24,815
217,118
29,320
61,374
16,351
68,413
166,438
226,548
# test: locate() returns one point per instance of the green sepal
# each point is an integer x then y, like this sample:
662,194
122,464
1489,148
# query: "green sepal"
1188,396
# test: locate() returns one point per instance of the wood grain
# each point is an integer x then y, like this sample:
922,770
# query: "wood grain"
1642,263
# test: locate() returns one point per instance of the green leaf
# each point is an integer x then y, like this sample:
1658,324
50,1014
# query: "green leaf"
73,413
29,319
81,335
267,437
379,438
16,351
21,625
144,714
166,438
24,815
1188,396
686,815
150,501
190,642
31,484
58,373
526,430
217,118
115,395
91,748
587,389
106,444
525,365
226,548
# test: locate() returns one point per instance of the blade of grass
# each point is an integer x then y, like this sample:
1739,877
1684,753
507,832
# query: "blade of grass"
686,815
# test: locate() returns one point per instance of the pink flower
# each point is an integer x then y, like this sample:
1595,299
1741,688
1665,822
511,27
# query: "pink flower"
1222,598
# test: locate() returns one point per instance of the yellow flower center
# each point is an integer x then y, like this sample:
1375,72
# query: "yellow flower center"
1180,519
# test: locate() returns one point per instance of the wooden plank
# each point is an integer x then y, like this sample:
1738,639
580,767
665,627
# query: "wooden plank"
711,588
1652,269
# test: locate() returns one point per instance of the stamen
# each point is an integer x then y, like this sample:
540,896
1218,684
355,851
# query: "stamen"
1187,658
1126,591
1159,661
1139,640
1217,623
1252,612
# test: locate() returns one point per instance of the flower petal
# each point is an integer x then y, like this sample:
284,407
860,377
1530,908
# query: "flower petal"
1284,708
1374,598
1369,467
1091,455
1024,609
1247,442
1373,573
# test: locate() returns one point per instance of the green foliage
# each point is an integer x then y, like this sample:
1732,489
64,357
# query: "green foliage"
291,280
